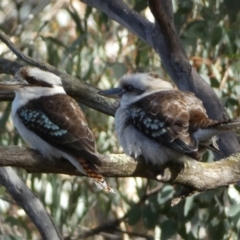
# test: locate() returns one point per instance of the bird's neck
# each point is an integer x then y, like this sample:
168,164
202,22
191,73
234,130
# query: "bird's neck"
127,101
26,94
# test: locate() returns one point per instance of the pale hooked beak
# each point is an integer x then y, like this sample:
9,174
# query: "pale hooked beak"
10,85
112,93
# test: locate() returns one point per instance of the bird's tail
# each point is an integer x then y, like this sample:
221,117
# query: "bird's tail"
203,135
228,125
97,177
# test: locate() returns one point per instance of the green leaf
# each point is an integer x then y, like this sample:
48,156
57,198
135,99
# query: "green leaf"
119,69
166,194
140,5
214,82
168,228
216,35
134,215
234,210
150,216
233,8
189,204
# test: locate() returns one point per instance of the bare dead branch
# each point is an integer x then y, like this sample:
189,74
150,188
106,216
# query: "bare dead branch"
80,91
29,202
8,66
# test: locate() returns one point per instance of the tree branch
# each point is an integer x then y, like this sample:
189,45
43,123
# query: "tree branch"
200,176
33,206
119,11
79,90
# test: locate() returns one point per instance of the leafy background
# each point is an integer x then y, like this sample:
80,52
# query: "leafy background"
85,43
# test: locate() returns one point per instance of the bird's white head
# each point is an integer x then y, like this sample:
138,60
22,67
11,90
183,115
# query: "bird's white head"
132,87
36,77
31,82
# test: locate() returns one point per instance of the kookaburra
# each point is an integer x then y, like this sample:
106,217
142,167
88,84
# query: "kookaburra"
52,122
160,123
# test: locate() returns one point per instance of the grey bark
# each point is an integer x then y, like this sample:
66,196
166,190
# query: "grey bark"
30,203
200,176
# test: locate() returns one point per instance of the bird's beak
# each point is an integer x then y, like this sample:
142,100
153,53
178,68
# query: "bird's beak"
10,85
112,93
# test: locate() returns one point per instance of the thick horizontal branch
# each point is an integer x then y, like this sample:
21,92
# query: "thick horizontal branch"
198,175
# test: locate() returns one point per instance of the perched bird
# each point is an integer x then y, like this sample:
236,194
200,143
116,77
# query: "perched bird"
160,123
52,122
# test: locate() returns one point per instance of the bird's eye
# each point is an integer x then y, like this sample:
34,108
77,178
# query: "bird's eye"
129,88
31,80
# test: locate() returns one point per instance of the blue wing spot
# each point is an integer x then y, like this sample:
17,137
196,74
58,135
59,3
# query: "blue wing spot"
40,121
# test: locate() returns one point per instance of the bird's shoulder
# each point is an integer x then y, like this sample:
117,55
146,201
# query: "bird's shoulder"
60,109
170,117
172,107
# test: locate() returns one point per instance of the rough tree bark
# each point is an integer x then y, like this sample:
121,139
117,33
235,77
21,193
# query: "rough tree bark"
162,37
29,202
199,176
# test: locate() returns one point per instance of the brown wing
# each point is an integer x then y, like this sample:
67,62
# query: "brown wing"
170,117
60,121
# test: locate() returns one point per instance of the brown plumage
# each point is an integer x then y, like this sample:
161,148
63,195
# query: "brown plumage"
53,123
178,115
161,123
77,139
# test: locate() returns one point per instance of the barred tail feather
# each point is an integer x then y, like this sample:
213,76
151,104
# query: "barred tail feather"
97,177
232,124
204,135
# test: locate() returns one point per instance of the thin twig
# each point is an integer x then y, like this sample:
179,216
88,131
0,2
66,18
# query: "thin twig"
186,192
4,38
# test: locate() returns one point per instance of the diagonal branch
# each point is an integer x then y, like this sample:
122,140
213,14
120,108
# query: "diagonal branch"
119,11
33,207
81,91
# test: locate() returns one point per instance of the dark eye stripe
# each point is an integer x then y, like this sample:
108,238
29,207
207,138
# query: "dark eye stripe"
129,88
35,82
31,80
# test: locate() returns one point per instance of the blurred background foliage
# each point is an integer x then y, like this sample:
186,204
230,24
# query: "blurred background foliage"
83,42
